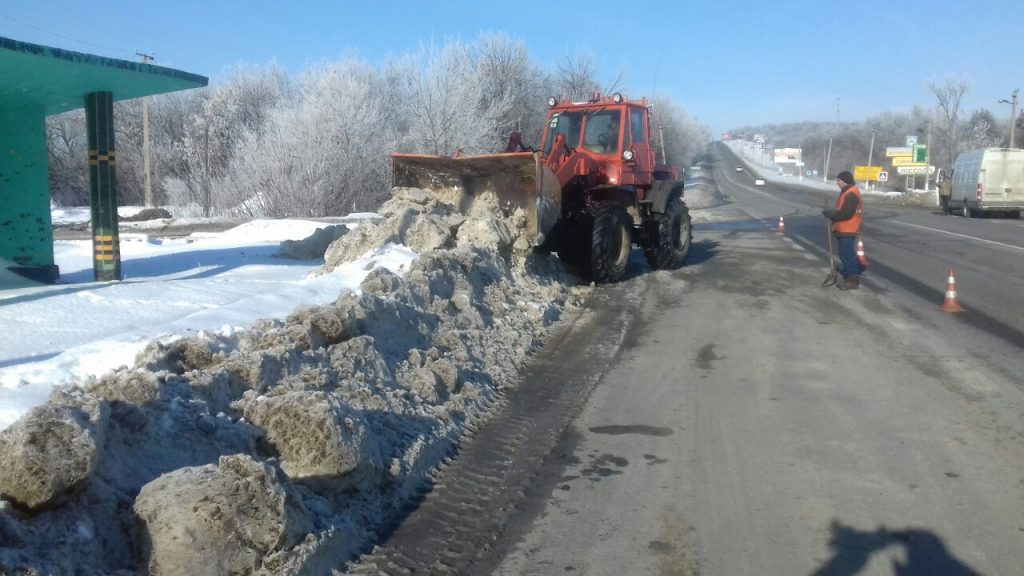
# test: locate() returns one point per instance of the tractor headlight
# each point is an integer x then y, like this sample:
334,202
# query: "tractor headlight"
552,101
617,98
627,155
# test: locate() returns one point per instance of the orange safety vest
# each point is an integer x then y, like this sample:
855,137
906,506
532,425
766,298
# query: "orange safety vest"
851,226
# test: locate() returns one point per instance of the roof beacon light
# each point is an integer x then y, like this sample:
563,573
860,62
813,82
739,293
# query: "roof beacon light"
552,101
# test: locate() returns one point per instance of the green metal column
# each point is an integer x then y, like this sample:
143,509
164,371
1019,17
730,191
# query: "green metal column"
99,120
26,231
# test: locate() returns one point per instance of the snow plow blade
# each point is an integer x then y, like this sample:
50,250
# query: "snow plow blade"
518,179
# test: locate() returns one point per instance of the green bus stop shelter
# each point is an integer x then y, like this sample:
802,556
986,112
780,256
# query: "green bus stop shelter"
39,81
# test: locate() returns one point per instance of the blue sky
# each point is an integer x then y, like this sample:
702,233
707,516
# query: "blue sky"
726,62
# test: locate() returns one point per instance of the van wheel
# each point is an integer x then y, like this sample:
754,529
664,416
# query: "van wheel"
965,211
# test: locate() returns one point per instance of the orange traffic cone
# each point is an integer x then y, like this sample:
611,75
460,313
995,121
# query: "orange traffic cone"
782,225
951,304
860,253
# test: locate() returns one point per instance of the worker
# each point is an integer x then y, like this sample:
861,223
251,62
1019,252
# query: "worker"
610,138
945,190
845,219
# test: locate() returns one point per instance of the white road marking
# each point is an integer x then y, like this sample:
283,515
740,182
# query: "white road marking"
1021,248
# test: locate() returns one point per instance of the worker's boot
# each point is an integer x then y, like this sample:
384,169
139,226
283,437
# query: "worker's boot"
851,282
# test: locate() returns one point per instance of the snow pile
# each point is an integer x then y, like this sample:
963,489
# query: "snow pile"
285,447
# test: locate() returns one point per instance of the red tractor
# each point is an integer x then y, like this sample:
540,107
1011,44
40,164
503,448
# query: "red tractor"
592,190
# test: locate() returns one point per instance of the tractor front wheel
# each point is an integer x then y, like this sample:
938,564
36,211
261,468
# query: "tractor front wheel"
675,234
611,241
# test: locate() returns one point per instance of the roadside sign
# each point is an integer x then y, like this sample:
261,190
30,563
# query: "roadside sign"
906,161
911,140
914,170
808,173
866,172
894,151
814,172
883,176
921,153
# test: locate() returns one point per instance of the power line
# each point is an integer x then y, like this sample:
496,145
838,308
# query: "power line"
75,40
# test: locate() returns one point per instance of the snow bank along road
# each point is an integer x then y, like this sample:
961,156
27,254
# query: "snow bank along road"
731,417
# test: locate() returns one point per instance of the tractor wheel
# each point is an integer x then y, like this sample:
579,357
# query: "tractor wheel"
611,241
675,234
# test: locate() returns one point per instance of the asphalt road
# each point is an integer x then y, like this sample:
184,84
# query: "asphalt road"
755,423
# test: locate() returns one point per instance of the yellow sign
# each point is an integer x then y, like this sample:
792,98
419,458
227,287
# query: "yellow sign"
896,151
906,161
867,172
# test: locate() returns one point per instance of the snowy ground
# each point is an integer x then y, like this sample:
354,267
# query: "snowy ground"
209,282
225,410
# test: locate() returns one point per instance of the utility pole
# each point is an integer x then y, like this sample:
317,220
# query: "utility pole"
928,153
871,152
828,156
1013,114
148,189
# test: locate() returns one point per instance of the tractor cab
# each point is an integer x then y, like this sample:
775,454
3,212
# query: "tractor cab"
608,134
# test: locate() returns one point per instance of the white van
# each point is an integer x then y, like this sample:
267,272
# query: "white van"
989,181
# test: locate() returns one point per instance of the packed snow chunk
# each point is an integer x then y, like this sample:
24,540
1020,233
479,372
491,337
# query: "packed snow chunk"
314,246
314,433
50,452
220,518
178,356
486,232
370,236
326,325
426,234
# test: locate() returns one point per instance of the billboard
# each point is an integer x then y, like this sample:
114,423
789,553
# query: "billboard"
786,155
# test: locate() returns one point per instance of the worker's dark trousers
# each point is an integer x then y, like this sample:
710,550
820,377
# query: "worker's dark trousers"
848,256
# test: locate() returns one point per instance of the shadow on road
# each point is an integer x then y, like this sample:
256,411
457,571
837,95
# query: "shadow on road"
926,553
702,251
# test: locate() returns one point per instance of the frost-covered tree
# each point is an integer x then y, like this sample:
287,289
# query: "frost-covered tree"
324,155
67,148
261,143
684,138
207,125
576,77
205,147
981,131
447,103
948,95
505,67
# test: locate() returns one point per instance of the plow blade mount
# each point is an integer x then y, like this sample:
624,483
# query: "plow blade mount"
518,179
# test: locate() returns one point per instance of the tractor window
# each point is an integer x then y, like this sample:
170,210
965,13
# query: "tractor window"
567,124
636,126
602,132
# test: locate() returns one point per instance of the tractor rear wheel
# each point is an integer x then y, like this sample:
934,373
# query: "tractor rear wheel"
675,234
611,241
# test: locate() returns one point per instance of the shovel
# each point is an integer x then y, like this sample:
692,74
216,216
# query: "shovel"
830,280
